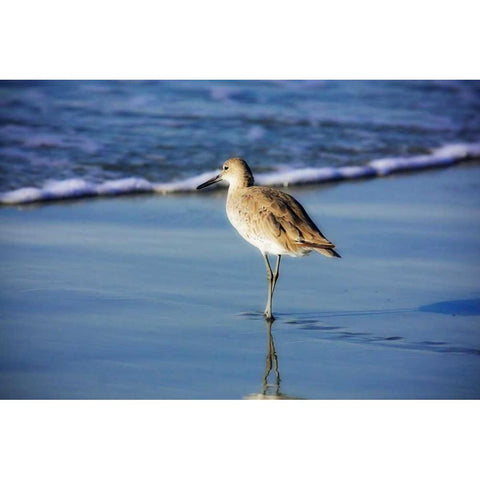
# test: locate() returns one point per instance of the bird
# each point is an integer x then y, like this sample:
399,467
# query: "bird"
271,220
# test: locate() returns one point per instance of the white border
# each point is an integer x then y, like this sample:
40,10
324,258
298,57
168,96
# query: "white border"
244,40
239,439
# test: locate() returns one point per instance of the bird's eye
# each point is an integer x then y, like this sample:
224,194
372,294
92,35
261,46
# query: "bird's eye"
225,167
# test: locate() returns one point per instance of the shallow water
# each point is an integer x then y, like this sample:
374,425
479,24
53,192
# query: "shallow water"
158,297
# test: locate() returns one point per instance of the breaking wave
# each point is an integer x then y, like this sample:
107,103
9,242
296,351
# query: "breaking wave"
283,176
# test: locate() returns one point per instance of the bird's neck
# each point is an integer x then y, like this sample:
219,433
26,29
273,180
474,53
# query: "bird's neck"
240,182
238,186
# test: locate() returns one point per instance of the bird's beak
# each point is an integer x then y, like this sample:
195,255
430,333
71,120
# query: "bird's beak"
213,180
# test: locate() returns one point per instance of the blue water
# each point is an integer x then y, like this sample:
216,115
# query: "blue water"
158,297
165,131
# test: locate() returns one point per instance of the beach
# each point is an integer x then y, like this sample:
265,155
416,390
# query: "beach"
133,310
157,296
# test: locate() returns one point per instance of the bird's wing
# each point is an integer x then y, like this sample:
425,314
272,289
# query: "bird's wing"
280,216
310,233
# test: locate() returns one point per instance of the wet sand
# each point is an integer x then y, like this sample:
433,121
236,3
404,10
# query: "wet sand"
158,297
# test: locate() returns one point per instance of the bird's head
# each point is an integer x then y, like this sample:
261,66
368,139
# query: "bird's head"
235,171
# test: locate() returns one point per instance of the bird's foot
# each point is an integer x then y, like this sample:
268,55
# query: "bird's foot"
268,315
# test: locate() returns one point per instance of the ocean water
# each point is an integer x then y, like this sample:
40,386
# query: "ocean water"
156,296
64,139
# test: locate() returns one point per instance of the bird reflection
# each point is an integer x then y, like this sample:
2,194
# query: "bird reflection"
271,360
270,391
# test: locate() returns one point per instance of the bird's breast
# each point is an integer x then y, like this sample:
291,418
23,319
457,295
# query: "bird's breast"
250,224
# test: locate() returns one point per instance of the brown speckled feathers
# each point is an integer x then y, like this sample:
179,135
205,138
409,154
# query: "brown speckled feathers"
275,214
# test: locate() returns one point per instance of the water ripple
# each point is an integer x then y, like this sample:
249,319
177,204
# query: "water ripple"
316,322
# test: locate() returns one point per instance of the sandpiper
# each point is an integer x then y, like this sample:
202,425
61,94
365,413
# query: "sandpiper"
269,219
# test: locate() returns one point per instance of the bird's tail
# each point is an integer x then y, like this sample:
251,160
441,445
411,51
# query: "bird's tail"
328,252
327,249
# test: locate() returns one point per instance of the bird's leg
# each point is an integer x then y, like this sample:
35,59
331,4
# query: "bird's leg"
276,272
268,308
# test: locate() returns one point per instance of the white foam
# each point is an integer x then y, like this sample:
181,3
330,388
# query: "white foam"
387,166
284,175
75,188
302,176
187,185
22,195
458,150
443,156
124,185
